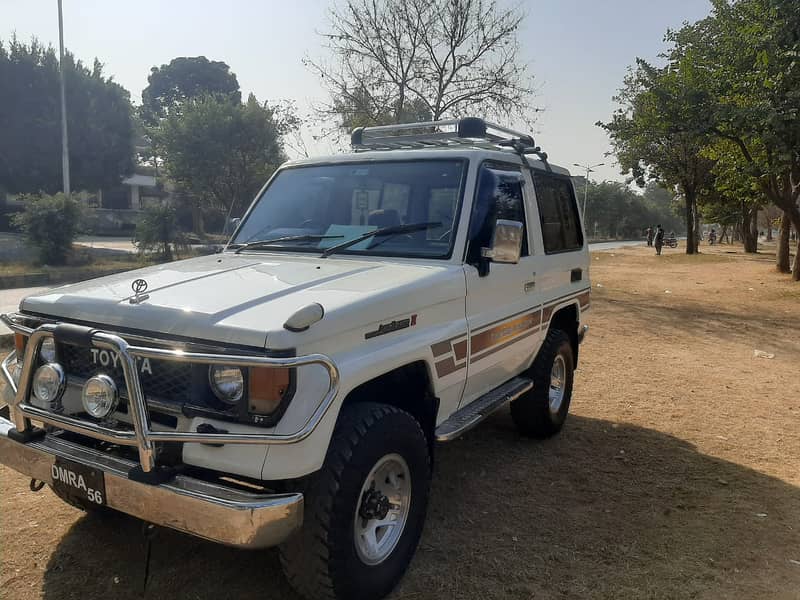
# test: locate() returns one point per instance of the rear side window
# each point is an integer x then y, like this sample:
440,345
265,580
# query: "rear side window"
558,211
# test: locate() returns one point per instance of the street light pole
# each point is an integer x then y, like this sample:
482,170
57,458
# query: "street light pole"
588,169
64,140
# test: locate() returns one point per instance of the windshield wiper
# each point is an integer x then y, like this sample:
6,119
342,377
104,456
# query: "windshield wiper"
288,238
392,230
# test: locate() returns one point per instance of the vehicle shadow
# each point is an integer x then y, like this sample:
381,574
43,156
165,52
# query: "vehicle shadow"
601,511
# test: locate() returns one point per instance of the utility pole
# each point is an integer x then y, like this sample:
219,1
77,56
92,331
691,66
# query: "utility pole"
64,139
589,169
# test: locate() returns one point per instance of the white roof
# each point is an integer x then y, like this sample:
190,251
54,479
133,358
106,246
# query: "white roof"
141,180
427,153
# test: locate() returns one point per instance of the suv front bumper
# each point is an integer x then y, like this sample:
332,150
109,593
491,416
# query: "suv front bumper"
208,510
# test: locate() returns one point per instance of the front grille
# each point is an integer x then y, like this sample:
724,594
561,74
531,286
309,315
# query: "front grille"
164,380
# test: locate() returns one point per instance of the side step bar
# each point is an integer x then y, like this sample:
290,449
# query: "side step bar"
476,411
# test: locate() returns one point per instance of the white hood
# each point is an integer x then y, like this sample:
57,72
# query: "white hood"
240,299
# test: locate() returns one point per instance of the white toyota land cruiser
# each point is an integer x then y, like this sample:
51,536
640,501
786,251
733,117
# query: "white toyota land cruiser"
290,389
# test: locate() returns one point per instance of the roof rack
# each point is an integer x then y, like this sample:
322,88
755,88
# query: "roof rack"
468,131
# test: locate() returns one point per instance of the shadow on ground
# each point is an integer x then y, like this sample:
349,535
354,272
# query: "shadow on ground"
695,318
600,511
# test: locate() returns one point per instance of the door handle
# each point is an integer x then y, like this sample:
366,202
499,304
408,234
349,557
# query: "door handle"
529,286
576,275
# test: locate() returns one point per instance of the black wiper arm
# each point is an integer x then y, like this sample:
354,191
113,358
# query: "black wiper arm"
381,232
288,238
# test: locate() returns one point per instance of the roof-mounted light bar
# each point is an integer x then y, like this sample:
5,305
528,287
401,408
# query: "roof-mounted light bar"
469,131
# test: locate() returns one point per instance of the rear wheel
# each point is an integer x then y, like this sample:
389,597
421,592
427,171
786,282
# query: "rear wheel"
364,510
542,411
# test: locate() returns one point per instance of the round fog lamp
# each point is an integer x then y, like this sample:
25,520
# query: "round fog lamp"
47,351
48,383
100,396
227,383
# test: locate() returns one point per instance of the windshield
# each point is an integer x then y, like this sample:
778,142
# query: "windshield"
313,208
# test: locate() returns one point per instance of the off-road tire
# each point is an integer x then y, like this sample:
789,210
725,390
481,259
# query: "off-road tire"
531,412
320,560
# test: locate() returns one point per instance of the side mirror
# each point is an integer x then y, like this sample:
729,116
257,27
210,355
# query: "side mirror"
506,242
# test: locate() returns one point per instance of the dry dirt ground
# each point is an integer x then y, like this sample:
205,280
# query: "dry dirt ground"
676,476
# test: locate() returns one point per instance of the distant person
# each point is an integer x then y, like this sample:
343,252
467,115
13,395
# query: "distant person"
658,241
649,233
712,237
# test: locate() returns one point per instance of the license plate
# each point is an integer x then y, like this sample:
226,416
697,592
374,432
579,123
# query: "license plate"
80,481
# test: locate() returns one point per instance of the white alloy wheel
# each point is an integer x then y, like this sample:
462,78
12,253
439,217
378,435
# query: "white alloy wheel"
382,509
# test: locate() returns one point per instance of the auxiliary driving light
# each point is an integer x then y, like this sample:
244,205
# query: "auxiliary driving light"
100,396
48,384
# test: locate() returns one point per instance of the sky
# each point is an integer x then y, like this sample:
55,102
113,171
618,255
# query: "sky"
577,50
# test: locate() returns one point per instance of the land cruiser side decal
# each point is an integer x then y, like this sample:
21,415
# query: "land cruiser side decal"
385,328
451,354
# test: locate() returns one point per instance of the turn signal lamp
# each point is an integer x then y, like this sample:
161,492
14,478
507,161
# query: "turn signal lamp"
266,388
19,345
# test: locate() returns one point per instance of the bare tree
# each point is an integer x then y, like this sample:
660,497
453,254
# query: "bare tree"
395,61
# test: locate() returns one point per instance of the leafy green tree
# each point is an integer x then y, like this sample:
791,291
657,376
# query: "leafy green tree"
51,223
170,86
222,152
734,191
398,60
747,53
158,232
660,130
615,211
99,118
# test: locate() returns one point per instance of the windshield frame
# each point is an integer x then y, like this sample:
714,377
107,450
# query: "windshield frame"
367,252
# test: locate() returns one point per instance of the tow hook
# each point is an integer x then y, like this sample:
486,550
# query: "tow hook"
36,485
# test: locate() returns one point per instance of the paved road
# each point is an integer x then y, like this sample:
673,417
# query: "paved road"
109,243
612,245
10,299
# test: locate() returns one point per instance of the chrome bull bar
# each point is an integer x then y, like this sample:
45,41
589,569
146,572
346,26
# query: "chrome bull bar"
142,436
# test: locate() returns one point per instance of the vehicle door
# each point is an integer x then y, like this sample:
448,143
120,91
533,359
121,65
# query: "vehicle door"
503,303
564,274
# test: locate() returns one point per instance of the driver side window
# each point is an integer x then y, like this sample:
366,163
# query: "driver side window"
498,196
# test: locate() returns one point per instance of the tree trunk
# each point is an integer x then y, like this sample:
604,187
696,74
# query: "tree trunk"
696,225
691,234
791,218
769,225
749,228
198,225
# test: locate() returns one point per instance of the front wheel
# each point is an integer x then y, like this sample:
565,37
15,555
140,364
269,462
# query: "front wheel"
364,510
541,412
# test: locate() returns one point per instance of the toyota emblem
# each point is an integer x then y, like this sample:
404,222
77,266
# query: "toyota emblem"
139,286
